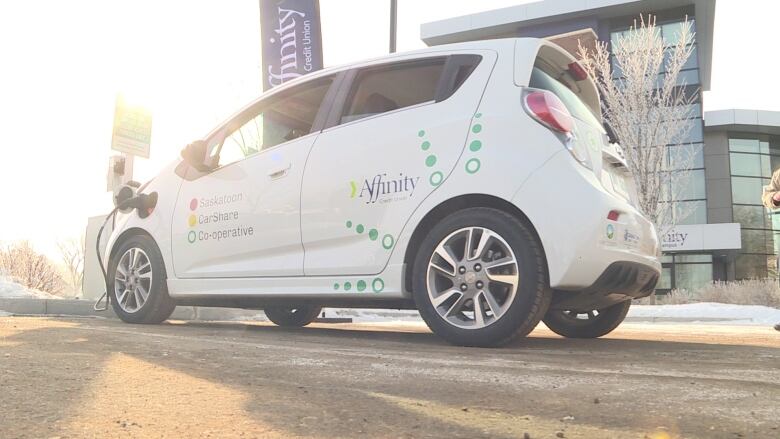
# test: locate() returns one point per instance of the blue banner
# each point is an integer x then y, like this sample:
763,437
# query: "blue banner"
292,39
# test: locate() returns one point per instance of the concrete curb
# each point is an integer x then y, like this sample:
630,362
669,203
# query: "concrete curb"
84,308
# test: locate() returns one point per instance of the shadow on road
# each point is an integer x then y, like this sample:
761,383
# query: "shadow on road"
340,381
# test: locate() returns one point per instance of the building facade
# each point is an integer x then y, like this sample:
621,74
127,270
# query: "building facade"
727,234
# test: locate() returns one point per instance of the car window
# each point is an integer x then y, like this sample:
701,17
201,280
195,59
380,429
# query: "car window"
282,119
388,88
578,109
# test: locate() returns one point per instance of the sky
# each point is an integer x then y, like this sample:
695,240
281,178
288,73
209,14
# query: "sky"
194,63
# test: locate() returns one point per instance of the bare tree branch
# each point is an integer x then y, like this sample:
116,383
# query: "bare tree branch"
647,105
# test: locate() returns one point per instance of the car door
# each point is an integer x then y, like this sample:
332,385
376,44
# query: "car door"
243,218
396,132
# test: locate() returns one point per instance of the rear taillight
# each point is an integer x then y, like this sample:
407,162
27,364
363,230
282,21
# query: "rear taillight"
546,108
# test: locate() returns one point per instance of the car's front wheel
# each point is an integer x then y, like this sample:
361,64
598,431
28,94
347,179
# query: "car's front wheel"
138,288
587,324
292,317
480,278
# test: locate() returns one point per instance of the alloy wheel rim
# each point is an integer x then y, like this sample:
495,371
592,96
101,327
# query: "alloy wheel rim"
133,280
472,277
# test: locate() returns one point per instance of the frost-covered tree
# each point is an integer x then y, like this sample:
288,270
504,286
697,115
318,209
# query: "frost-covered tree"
72,256
30,268
648,106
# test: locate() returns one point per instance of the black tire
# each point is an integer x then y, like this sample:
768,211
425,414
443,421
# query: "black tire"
532,295
159,305
566,324
290,317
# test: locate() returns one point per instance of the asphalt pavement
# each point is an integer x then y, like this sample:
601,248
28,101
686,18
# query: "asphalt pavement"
68,377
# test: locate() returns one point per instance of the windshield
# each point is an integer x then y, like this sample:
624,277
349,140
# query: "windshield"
542,80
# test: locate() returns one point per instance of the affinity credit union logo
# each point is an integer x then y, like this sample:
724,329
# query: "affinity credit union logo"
383,189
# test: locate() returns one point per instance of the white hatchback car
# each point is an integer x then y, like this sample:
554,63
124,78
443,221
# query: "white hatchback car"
473,182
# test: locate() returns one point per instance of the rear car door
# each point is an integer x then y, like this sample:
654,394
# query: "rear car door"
395,134
243,218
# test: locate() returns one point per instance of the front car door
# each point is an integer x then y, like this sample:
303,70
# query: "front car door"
396,133
243,218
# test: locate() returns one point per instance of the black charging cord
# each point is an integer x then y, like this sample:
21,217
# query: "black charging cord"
136,202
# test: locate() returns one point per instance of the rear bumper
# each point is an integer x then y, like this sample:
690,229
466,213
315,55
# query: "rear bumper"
619,282
569,208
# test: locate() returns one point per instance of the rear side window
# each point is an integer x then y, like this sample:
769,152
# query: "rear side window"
388,88
542,80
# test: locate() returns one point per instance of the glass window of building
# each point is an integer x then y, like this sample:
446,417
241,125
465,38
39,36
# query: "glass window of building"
685,271
752,159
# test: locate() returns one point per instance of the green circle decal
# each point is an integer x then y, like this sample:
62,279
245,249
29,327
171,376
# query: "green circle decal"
360,228
347,286
349,224
336,286
191,237
387,241
373,234
361,285
478,115
436,178
421,133
473,165
430,160
425,145
475,146
378,285
476,128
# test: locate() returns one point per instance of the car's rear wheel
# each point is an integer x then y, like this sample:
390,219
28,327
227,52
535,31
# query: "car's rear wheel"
293,317
138,288
480,278
586,324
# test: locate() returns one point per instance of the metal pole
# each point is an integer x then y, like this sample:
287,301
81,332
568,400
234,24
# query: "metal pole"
393,24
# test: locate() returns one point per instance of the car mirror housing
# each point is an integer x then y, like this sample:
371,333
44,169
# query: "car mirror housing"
194,155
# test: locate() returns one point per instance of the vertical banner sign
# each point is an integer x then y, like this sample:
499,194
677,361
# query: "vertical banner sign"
292,39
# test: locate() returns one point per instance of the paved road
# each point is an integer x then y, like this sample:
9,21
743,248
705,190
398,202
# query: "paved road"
102,378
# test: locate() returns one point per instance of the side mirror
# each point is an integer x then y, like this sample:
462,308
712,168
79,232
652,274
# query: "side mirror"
194,155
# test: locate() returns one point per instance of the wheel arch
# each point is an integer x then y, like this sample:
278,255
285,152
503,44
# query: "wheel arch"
453,205
127,234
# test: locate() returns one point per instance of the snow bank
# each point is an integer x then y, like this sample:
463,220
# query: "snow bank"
689,313
13,290
708,312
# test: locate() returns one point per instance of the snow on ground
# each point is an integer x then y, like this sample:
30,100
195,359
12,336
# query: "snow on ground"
690,313
13,290
707,312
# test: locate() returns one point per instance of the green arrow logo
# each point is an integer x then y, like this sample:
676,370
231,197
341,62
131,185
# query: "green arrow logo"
353,185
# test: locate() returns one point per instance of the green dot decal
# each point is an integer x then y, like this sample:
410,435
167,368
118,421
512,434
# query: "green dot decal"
373,234
425,145
347,286
478,115
378,285
387,241
360,228
430,160
473,165
361,285
421,133
349,224
476,128
436,178
191,237
336,286
475,146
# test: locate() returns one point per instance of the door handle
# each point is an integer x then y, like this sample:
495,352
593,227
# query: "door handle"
279,172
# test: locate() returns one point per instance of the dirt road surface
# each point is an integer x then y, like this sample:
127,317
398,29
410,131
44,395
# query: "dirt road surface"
100,378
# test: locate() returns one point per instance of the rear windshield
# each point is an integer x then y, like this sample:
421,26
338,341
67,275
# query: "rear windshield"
542,80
